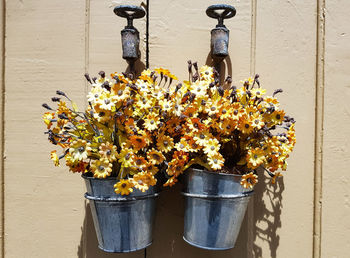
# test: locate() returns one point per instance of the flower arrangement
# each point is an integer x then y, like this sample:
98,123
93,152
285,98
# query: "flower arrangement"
133,128
229,129
120,134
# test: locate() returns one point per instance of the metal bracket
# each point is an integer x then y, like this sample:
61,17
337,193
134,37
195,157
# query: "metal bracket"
130,35
220,34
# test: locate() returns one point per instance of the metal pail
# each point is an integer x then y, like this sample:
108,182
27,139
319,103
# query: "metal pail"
215,205
122,223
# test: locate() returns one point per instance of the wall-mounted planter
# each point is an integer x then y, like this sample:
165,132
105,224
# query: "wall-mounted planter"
215,205
122,223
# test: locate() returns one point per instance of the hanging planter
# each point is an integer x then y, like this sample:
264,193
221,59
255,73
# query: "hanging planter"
215,205
120,145
122,223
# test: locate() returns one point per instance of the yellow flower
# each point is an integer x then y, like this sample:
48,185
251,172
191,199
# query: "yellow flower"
277,117
55,158
143,180
155,157
106,101
175,168
255,158
108,151
139,162
62,108
138,142
259,92
182,145
245,125
79,149
257,122
165,105
249,180
216,161
202,138
195,125
150,168
95,93
102,115
101,168
47,117
124,187
126,156
165,143
212,147
151,122
206,73
200,88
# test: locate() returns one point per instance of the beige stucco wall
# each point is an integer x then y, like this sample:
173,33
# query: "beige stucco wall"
300,46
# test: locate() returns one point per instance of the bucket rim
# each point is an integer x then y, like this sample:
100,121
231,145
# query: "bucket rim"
94,178
213,173
206,247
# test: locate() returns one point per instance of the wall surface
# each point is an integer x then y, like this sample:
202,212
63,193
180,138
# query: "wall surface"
302,46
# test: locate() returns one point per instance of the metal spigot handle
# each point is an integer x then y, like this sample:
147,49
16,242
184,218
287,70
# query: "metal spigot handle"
228,11
130,12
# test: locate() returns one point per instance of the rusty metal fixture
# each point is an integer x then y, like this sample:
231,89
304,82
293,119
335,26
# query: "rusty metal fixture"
220,34
130,35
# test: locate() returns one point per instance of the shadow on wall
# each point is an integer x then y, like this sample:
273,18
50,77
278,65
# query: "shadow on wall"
267,215
224,67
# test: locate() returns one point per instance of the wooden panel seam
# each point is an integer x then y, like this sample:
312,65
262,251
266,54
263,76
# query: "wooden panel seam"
253,36
87,48
250,213
319,116
2,113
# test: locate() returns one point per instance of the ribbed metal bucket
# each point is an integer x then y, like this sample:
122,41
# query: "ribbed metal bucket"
215,205
122,223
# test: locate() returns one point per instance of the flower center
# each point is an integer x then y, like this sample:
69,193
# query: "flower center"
278,116
107,101
235,112
81,149
202,136
123,185
165,143
109,152
212,108
156,156
246,126
182,146
224,111
120,92
212,148
101,168
152,122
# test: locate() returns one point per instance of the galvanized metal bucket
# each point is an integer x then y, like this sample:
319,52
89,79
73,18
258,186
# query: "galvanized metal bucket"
122,223
215,205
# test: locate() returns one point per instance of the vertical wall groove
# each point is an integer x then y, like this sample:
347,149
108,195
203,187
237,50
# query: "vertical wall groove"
87,40
253,36
147,34
250,213
2,125
319,116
